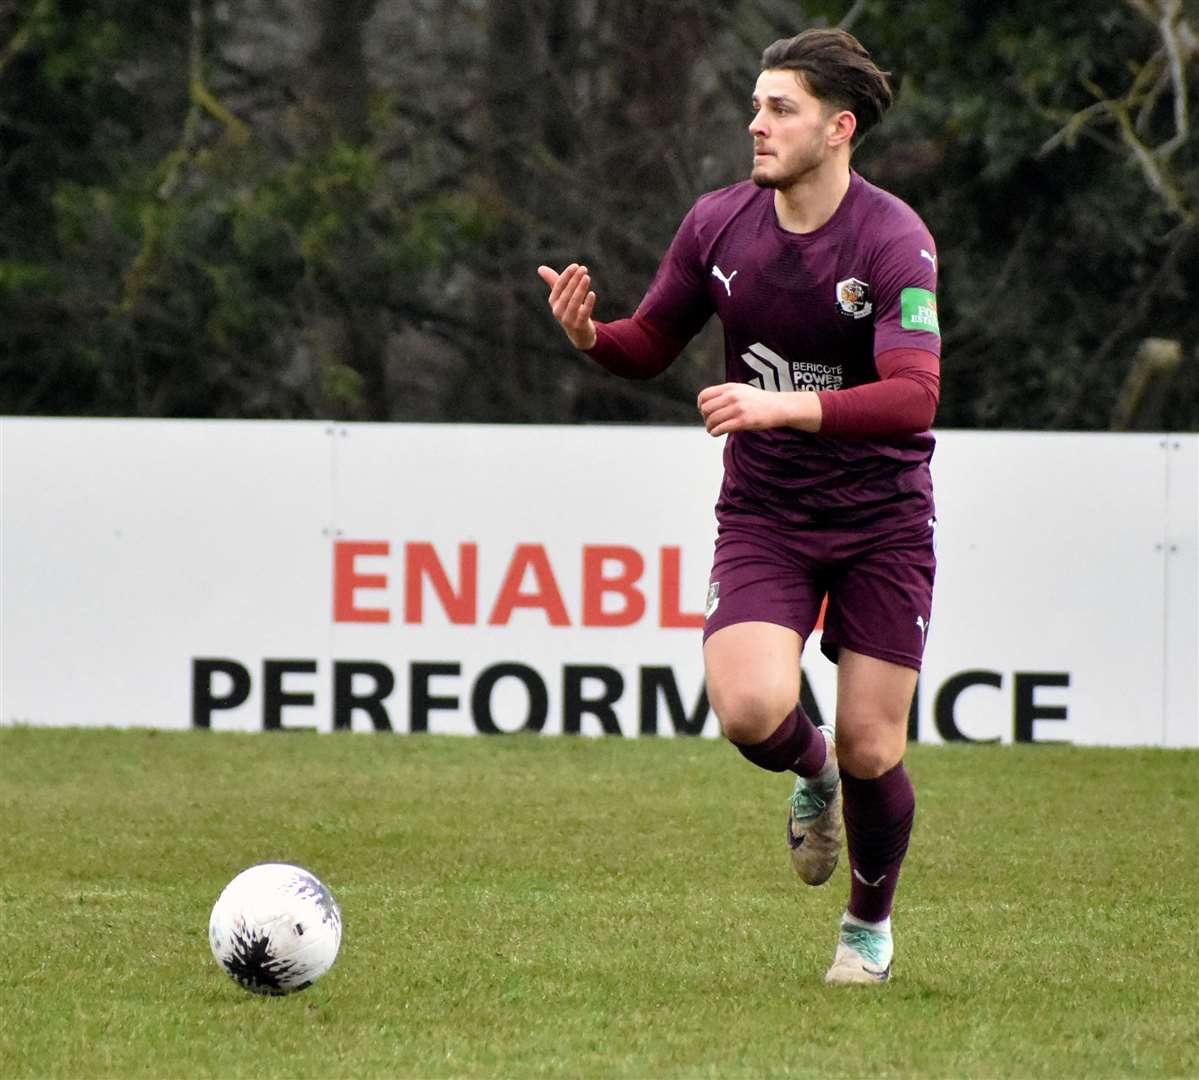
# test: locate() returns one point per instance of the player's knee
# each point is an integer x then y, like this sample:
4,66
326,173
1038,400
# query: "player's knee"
869,752
746,714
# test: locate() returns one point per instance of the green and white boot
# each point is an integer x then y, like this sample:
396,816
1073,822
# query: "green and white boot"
814,820
863,956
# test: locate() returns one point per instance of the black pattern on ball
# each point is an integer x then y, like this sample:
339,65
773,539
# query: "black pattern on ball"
252,964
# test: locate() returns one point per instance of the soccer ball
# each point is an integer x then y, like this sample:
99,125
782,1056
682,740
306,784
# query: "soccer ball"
275,929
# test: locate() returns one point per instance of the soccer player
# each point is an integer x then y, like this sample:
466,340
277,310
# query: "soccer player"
826,288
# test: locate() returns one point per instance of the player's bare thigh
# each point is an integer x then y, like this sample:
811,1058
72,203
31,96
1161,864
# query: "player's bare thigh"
873,698
752,672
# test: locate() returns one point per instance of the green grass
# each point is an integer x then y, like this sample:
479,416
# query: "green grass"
565,907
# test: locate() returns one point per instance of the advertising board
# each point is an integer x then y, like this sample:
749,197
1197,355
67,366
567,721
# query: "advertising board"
481,579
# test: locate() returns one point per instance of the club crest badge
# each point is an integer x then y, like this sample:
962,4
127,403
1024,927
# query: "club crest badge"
853,298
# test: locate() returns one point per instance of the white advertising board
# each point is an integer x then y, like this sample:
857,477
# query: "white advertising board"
1050,589
463,579
127,546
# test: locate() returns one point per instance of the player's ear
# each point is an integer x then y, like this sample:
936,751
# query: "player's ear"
841,127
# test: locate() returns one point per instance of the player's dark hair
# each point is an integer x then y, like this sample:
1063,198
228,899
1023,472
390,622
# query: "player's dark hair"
835,68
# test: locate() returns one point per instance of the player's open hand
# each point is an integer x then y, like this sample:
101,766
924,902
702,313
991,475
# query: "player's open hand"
572,302
741,407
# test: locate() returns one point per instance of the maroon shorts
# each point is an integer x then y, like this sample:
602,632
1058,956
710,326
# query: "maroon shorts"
879,584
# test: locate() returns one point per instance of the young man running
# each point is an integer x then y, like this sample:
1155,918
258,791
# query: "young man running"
826,288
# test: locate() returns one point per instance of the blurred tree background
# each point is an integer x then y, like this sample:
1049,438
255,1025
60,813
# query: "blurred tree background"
335,208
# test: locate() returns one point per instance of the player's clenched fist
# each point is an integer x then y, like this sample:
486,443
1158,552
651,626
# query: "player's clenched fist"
572,302
741,407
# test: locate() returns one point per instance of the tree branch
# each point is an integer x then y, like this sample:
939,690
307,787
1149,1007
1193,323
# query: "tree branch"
1132,111
1172,28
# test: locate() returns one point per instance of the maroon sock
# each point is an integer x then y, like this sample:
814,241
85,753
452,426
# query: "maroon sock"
796,744
878,823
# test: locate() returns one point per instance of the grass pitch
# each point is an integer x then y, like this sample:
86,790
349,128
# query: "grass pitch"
565,907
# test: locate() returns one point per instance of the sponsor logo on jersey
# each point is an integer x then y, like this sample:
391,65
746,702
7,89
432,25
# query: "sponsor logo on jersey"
918,311
853,298
774,372
713,600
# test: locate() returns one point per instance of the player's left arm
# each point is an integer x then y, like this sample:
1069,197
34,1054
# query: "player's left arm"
907,348
902,402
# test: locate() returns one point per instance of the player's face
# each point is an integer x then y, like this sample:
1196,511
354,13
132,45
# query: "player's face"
793,132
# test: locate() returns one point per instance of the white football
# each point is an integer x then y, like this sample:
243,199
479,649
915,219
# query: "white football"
275,929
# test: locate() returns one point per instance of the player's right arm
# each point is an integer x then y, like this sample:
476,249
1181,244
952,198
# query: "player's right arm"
672,312
632,348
